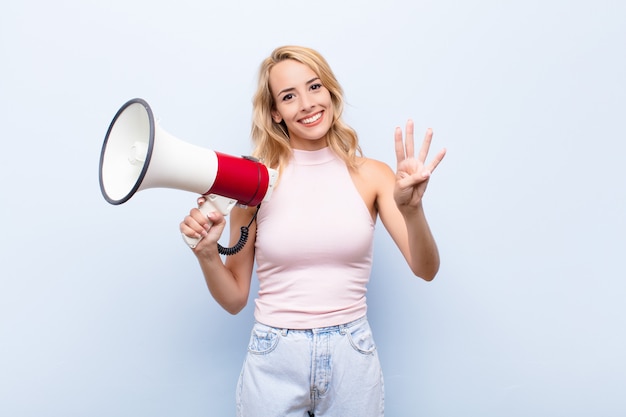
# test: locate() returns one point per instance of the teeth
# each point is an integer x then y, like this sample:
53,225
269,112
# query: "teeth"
312,118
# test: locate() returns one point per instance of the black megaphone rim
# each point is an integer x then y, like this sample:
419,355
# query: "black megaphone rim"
144,169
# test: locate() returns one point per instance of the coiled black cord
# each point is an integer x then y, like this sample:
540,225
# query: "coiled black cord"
243,238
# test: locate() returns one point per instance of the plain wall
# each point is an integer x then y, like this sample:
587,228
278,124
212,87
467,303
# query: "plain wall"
103,309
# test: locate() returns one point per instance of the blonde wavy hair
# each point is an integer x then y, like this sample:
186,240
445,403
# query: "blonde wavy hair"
270,139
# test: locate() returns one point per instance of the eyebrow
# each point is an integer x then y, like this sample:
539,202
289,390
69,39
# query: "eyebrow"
286,90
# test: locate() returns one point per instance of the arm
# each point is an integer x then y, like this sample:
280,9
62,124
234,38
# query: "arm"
229,281
399,202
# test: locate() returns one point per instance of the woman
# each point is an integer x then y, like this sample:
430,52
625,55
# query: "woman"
311,350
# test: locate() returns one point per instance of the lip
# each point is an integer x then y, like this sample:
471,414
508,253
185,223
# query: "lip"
315,123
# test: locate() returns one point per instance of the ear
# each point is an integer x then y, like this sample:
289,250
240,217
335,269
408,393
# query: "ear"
276,117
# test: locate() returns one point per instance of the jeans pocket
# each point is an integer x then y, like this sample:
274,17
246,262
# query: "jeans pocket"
362,339
263,339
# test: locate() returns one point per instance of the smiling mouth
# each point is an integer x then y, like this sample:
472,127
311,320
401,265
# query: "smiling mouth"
311,119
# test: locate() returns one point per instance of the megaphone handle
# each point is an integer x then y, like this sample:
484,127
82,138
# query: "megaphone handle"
213,202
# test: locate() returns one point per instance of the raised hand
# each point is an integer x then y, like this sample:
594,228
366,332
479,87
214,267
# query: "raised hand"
412,173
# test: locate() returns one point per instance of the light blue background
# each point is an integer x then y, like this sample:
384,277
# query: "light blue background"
103,310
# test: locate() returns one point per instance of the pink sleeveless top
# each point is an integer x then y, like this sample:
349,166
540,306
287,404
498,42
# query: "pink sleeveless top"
313,246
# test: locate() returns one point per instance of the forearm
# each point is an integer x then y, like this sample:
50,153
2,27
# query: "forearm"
423,252
230,292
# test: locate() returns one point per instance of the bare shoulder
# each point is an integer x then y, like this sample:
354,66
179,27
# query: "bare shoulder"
374,171
374,180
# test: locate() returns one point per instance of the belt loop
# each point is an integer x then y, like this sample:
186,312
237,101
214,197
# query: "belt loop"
284,332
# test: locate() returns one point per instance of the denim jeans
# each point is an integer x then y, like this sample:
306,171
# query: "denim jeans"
326,372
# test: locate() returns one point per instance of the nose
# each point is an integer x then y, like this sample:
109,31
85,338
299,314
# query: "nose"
306,102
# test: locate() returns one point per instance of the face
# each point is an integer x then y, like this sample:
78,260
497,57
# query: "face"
302,102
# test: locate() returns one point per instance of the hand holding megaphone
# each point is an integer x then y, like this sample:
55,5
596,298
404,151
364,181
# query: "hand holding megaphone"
137,154
213,203
202,224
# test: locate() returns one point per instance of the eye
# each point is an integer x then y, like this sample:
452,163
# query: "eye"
316,86
287,97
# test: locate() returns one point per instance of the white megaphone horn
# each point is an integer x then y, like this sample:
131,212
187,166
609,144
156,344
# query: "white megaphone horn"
137,154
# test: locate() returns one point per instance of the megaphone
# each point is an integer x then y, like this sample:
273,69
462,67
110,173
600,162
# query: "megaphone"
137,154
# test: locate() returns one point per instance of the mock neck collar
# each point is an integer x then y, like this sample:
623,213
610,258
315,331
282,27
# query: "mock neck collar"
321,156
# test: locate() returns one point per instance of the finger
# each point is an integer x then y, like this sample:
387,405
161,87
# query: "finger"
409,140
399,145
425,145
201,200
436,160
198,221
215,217
190,232
198,215
191,227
